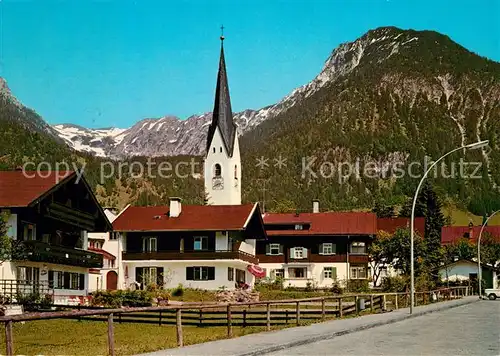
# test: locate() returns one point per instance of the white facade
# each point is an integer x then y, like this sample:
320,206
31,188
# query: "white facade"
223,188
318,275
107,241
9,270
174,273
462,271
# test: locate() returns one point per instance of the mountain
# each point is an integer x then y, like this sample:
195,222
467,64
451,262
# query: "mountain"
388,99
24,135
171,136
392,98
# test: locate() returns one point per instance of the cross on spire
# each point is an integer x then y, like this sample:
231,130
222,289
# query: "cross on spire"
222,32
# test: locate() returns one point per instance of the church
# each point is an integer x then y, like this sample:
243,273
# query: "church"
210,246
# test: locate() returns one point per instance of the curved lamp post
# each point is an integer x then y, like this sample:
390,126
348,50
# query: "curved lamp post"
479,268
472,146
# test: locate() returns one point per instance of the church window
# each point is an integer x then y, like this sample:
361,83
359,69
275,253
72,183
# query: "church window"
214,149
221,149
218,170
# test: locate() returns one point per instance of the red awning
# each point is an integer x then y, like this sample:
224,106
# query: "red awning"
256,271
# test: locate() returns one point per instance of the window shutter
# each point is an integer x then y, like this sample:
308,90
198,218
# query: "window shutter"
304,252
320,249
190,273
138,274
159,276
66,283
281,249
292,252
81,282
211,273
334,248
334,272
51,279
268,249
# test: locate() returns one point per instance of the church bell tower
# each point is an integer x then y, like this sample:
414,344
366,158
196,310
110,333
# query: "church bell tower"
222,161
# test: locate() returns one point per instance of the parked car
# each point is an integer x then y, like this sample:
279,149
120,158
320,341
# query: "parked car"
492,294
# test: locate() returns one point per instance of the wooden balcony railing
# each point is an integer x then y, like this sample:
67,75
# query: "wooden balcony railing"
191,255
43,252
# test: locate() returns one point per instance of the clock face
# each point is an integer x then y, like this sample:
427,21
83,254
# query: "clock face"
217,183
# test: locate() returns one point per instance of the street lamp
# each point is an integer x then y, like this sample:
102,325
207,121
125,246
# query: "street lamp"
472,146
479,268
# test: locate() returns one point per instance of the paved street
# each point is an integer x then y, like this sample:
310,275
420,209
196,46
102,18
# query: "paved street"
467,330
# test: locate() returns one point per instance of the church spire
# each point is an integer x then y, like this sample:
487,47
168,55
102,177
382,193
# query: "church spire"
222,116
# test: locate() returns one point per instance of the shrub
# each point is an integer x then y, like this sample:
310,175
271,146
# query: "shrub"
178,291
358,286
125,298
336,287
34,301
394,284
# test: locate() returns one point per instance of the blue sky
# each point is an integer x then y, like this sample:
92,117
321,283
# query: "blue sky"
112,63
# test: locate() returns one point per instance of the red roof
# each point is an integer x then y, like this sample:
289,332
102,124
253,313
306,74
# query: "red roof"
390,225
21,188
332,223
192,218
451,234
105,253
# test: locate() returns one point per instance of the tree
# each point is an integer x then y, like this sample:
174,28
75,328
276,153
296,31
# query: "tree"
394,249
383,211
490,250
429,206
9,248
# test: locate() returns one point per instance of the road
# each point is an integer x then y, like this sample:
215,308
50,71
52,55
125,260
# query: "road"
467,330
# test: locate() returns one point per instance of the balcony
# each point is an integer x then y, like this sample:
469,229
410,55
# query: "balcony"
43,252
191,255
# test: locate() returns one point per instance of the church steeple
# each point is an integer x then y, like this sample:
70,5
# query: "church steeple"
222,113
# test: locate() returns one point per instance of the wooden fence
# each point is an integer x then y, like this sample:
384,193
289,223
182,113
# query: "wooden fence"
269,312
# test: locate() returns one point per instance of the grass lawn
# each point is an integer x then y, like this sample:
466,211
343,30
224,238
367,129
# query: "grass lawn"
72,337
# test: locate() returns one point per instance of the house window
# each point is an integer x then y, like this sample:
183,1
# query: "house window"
200,273
240,276
46,238
358,272
358,248
327,249
297,272
230,274
278,273
113,236
29,274
218,170
330,272
29,232
200,243
149,244
299,227
298,253
274,249
74,278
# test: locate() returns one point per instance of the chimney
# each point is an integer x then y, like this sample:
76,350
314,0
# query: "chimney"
175,207
315,206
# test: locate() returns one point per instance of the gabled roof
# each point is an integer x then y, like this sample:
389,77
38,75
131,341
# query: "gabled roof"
390,225
25,188
470,262
22,189
451,234
222,116
192,218
332,223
